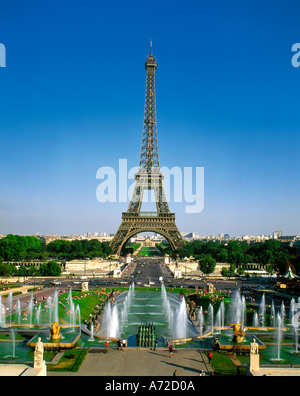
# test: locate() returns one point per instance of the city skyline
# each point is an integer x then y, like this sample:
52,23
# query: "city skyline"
73,101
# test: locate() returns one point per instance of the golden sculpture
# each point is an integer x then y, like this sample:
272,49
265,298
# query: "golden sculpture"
239,332
55,331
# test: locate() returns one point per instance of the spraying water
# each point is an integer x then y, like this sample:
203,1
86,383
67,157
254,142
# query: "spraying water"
181,321
262,311
279,334
238,310
201,321
210,318
110,322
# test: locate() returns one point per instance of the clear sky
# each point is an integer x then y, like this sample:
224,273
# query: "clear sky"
72,100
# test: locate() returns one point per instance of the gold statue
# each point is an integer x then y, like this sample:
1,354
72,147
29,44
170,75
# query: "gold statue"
55,331
239,332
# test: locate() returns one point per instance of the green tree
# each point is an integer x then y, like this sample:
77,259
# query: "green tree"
50,269
7,270
222,255
207,263
32,271
22,271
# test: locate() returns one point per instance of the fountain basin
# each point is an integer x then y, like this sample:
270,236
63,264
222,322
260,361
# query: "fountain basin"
68,340
226,343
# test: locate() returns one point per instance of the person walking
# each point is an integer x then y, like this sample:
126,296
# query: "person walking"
171,351
124,342
210,356
175,374
107,345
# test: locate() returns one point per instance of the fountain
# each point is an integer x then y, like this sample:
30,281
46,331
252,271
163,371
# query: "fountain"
181,319
55,331
167,313
110,323
210,317
201,322
92,332
72,310
255,319
2,314
273,315
30,309
220,318
19,310
10,306
294,316
282,311
262,311
167,305
239,332
78,315
238,310
279,334
13,343
38,314
222,309
296,340
55,306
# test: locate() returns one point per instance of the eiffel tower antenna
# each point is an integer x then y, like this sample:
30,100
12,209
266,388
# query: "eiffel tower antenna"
148,177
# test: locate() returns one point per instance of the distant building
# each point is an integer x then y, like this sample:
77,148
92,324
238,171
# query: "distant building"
276,234
190,235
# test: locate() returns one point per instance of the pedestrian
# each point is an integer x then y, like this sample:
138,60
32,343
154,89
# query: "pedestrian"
210,356
202,374
171,351
107,345
175,374
124,343
156,342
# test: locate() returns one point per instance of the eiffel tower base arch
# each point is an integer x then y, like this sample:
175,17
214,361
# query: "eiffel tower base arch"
134,223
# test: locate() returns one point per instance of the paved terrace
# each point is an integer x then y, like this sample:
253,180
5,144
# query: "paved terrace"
132,362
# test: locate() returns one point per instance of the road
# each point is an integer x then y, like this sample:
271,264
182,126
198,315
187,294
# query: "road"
151,269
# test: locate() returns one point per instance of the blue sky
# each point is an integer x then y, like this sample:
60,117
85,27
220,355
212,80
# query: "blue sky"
72,101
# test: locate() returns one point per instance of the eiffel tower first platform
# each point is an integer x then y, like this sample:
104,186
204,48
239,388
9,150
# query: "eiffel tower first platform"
148,177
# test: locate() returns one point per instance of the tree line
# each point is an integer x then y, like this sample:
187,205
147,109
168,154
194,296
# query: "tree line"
275,256
28,248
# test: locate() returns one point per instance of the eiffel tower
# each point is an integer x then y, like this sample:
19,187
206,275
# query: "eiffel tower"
148,177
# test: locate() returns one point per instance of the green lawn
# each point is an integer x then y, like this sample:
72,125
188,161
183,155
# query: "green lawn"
223,365
149,252
70,361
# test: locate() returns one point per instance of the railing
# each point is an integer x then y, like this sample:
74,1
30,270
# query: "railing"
148,214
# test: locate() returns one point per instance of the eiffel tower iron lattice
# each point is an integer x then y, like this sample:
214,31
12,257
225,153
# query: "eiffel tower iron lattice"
148,177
